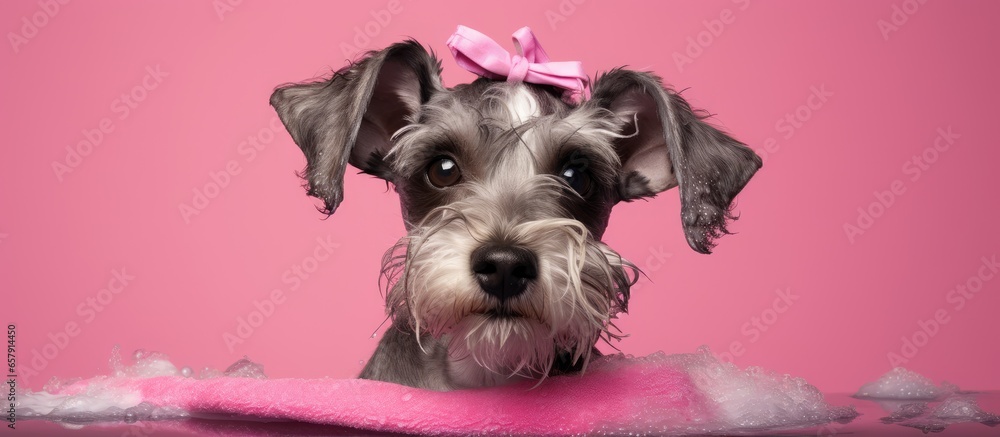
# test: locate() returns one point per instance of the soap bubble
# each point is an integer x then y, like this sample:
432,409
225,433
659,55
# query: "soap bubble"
244,368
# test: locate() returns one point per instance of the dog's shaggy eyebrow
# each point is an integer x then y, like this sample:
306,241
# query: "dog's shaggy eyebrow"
422,140
586,134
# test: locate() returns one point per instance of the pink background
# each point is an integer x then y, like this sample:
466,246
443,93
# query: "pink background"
854,298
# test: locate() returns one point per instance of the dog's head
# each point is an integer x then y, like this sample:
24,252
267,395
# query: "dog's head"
506,191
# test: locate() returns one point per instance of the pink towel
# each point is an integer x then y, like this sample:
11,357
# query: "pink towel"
656,394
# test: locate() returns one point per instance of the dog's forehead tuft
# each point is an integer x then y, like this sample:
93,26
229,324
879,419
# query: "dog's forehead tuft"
519,103
515,102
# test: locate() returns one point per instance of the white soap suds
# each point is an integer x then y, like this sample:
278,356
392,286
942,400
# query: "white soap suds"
903,384
99,402
750,400
905,412
755,399
147,365
244,368
954,409
963,408
914,401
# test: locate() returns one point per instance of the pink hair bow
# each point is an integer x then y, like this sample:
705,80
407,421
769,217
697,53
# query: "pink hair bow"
481,55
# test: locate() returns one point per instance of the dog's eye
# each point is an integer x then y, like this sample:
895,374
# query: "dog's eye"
576,175
443,172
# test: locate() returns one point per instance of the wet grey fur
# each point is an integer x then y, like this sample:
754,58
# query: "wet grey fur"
389,116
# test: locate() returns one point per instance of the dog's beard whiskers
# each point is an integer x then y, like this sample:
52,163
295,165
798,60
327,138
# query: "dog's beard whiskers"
581,286
601,293
619,275
566,277
507,347
393,266
560,268
434,286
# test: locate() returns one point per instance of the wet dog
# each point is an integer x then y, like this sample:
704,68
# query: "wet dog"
506,188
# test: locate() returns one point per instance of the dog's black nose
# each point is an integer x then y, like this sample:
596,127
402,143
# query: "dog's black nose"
504,271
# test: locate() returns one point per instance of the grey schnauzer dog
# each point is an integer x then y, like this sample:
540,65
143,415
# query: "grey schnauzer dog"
506,191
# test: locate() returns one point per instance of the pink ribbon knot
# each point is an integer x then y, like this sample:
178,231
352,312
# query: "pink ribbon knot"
481,55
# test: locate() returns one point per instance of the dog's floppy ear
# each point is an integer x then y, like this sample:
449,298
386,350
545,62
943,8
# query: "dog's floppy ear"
667,145
350,117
